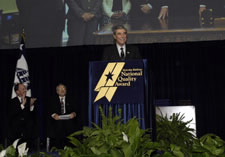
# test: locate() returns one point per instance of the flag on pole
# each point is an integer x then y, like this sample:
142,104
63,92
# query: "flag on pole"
22,72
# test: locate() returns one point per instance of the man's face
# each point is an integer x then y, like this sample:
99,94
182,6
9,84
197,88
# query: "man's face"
22,90
120,36
61,90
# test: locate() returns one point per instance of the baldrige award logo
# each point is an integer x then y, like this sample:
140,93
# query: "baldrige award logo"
113,77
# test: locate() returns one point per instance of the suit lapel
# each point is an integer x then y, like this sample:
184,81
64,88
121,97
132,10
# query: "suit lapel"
58,105
66,102
18,102
116,55
128,52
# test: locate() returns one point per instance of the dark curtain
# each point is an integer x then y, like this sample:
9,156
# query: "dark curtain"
192,71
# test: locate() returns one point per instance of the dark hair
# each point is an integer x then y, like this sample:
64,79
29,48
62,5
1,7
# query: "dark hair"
114,28
60,84
16,86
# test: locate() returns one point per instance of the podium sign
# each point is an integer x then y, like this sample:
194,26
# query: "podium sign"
117,83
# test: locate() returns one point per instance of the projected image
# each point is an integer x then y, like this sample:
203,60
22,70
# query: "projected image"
54,23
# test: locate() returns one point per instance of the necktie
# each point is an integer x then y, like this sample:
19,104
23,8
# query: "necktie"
117,5
62,106
122,54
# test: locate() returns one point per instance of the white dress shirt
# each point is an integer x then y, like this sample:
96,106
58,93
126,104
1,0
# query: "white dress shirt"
63,99
119,49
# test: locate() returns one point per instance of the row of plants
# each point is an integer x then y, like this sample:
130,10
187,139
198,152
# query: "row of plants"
116,139
20,150
14,150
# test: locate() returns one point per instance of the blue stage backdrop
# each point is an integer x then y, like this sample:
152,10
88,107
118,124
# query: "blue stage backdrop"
120,85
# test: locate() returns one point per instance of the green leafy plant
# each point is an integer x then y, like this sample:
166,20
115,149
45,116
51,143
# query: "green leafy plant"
113,139
174,135
14,150
1,147
116,139
20,150
209,145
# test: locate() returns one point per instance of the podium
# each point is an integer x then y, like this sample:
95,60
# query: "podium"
120,85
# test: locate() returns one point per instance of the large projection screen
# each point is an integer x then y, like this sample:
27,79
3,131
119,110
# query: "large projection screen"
54,23
8,6
188,112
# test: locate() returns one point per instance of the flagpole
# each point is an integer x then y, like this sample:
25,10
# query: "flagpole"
22,71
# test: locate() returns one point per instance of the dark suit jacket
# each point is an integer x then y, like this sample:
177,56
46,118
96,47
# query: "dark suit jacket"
218,7
22,123
60,128
183,14
139,20
111,53
136,12
183,7
43,21
79,31
78,7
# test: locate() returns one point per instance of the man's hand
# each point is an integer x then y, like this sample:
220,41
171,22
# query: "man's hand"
118,15
145,8
87,16
24,100
164,13
32,100
201,9
56,117
163,23
73,115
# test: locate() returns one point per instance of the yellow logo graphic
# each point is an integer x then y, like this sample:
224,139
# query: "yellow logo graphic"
105,86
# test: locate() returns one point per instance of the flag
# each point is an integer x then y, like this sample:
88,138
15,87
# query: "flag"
22,72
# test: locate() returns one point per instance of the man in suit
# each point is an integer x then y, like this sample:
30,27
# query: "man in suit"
186,13
217,6
22,117
83,16
53,23
120,50
61,118
144,13
183,14
186,7
115,11
43,21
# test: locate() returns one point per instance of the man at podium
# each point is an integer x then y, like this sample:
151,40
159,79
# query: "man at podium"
119,81
120,50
